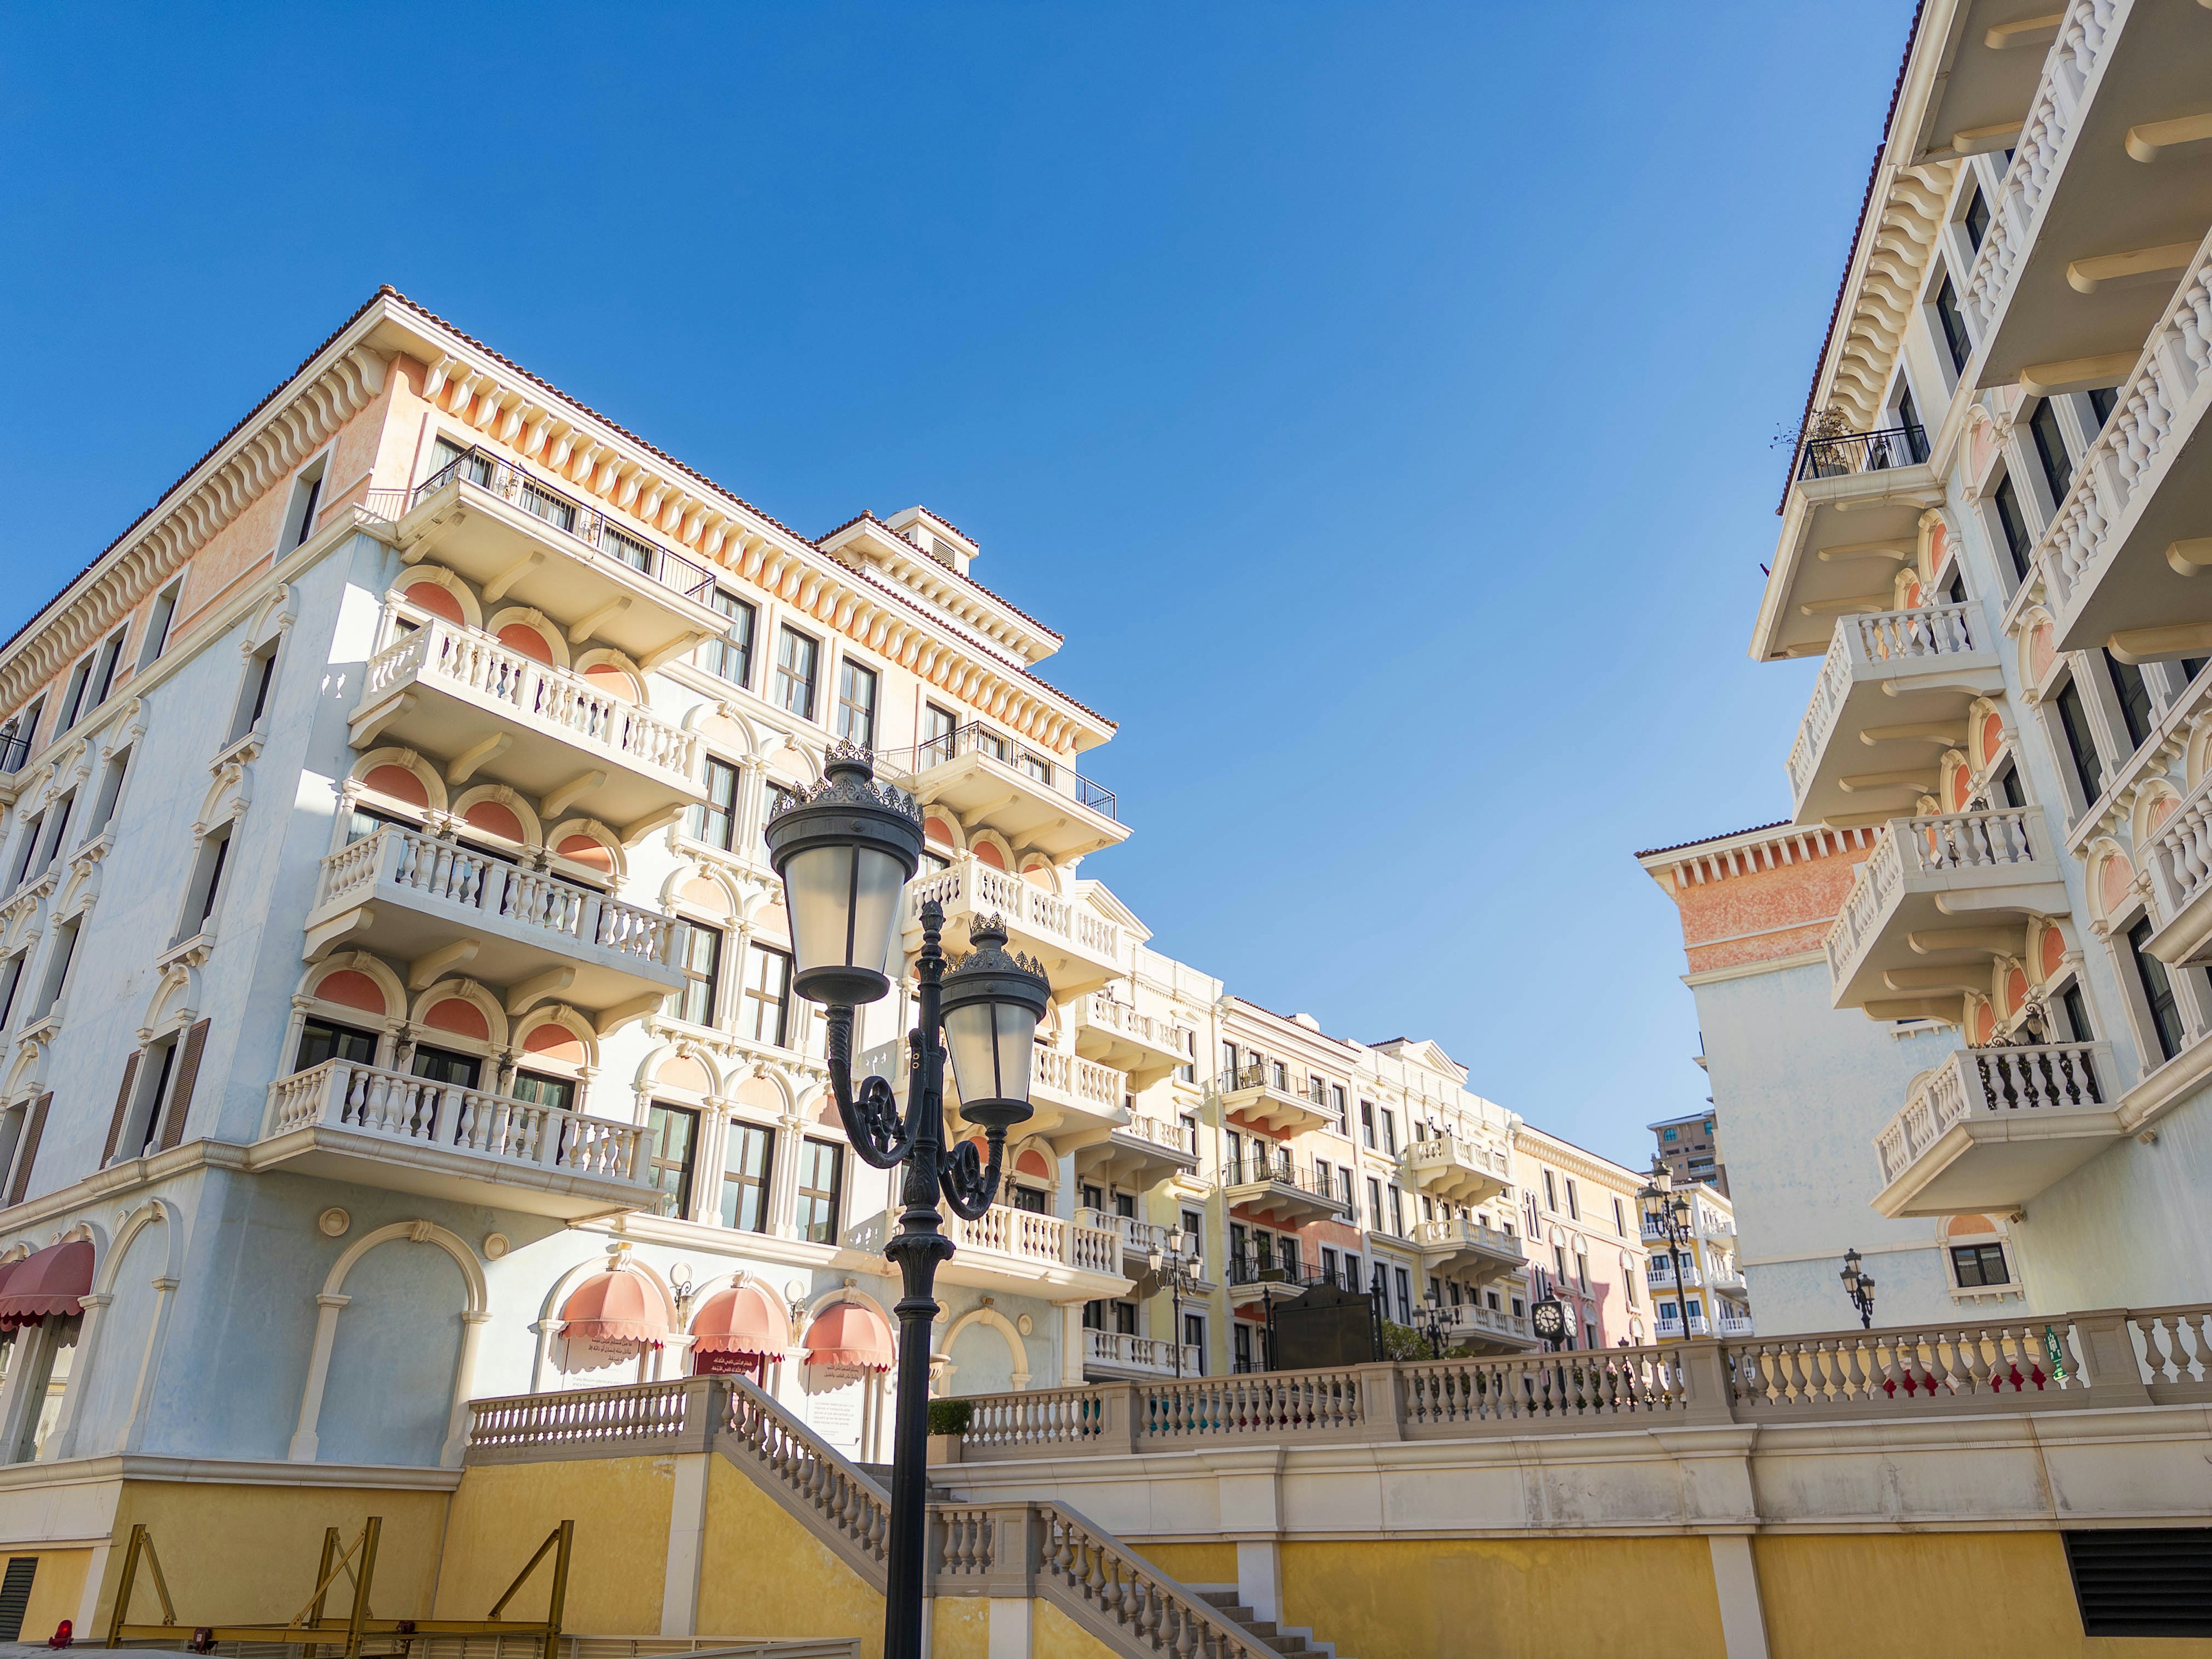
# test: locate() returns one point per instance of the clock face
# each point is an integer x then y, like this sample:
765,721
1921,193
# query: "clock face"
1549,1318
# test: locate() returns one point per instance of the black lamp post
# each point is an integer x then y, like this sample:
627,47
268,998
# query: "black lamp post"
1669,1211
1175,1270
1859,1287
1428,1321
845,851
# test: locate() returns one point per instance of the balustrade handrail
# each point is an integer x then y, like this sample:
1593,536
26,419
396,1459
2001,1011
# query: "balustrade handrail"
1930,630
1466,1230
580,520
976,738
1282,1171
2180,857
1838,455
971,883
1430,1148
1969,1082
1919,846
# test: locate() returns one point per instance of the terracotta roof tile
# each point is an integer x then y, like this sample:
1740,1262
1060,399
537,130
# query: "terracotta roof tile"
1706,840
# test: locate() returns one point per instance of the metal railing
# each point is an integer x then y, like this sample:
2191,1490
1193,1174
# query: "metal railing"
2050,1077
976,738
565,513
1284,1170
15,751
1847,452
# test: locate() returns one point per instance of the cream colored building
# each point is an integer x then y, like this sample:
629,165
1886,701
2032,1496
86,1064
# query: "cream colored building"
1697,1285
1579,1213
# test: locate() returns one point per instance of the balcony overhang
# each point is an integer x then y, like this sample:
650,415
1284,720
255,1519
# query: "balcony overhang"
1981,75
1275,1285
984,791
1282,1203
1136,1156
1280,1111
1990,1129
1893,695
517,557
2129,175
548,734
1138,1045
1844,540
1454,1171
1476,1255
1058,1264
1480,1331
443,1172
1080,950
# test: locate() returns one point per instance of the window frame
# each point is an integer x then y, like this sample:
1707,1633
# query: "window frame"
786,678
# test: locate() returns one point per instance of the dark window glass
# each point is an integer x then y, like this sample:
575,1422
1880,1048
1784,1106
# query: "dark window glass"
2077,1014
1954,326
2158,991
2008,786
766,1015
938,726
1979,1264
715,819
321,1040
444,1066
747,1157
1976,219
1957,590
2089,769
2051,449
795,656
215,880
821,1165
856,703
540,1090
2135,697
671,1135
2192,666
2105,399
731,657
2015,527
1907,415
1031,1199
703,976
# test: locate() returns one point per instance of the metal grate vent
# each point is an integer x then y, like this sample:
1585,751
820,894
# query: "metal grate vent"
2149,1581
15,1595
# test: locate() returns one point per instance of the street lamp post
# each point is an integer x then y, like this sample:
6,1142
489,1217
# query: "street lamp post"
844,852
1175,1270
1670,1211
1859,1287
1428,1321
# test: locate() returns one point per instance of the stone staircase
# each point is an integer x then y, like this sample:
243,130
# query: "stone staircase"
1295,1642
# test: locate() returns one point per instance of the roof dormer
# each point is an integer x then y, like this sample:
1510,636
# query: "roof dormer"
935,537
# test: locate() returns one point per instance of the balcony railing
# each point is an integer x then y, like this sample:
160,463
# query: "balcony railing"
1177,1138
1460,1233
1666,1327
1733,1325
392,1106
2179,864
448,875
973,885
1974,1084
1084,1082
1253,1169
14,751
573,518
553,700
1909,847
1101,1009
974,738
1022,1235
1931,636
1268,1270
1472,1320
1141,1353
1660,1276
1138,1237
1847,452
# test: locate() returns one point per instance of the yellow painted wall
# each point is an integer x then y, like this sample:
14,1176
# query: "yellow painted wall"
762,1574
57,1589
1533,1598
1191,1563
247,1554
502,1512
960,1627
1833,1596
1053,1635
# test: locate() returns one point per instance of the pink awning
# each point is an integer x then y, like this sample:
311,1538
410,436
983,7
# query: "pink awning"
850,1333
742,1319
615,1306
51,1281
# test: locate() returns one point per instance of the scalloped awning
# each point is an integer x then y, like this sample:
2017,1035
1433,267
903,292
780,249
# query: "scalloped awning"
850,1333
52,1281
743,1319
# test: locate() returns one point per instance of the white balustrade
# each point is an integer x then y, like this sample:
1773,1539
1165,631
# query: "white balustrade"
1931,632
1022,1235
1102,1010
1472,1319
2179,858
1923,847
1453,1232
1992,1083
1733,1325
553,699
444,873
974,887
1141,1353
1158,1132
393,1106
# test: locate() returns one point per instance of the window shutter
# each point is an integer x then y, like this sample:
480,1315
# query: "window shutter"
180,1093
31,1130
122,1107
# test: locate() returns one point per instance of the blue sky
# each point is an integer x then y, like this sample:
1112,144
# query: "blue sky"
1379,398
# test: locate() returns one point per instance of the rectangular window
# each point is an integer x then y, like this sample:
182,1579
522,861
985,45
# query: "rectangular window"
1397,1213
111,790
703,976
58,967
2103,400
29,851
73,702
1405,1298
1978,1265
715,820
307,491
748,1156
1193,1337
456,1071
731,657
1574,1201
1029,1199
1374,1202
938,726
1551,1191
2076,1005
2018,543
1367,1122
795,657
57,822
207,882
322,1039
766,1015
253,696
103,678
820,1169
1125,1318
1391,1134
1976,219
1956,337
2134,698
556,1094
11,980
2051,449
2157,989
2074,720
671,1137
1619,1219
157,625
2008,786
856,703
1336,1106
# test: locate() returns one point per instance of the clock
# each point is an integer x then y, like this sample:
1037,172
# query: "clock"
1548,1319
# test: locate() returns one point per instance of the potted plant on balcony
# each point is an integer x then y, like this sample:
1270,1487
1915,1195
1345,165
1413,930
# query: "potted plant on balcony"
948,1421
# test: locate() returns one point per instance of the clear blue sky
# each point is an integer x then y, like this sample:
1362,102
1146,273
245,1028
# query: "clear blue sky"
1379,398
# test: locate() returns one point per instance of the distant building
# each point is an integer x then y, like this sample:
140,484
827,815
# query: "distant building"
1690,1147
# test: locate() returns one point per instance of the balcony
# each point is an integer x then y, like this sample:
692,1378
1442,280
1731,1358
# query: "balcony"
1917,929
2179,863
1851,522
1018,1252
1077,1102
1659,1275
1033,799
524,542
1471,1250
1990,1128
440,906
1265,1099
1663,1328
1256,1281
1140,1239
1139,1154
1110,1356
2102,182
1733,1325
401,1134
1283,1192
1145,1047
1487,1329
468,700
1080,950
1729,1279
2126,556
1892,694
1457,1171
